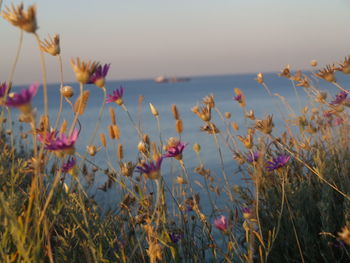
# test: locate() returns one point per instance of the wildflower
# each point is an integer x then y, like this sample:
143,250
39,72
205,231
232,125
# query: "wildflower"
247,212
175,148
181,180
344,235
238,157
297,76
326,74
92,150
339,98
127,168
278,162
98,77
68,166
22,100
303,82
116,96
25,20
211,129
250,115
345,66
240,98
83,70
247,141
51,45
209,100
285,72
221,223
67,92
60,144
253,157
260,78
175,237
196,148
265,125
151,170
202,171
203,113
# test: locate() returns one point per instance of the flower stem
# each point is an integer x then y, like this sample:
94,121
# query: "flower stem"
43,69
78,109
61,96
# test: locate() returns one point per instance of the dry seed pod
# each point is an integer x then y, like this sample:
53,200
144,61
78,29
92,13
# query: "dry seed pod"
67,92
112,113
63,127
103,140
111,132
313,63
80,104
91,149
175,112
227,115
120,152
116,131
153,110
179,126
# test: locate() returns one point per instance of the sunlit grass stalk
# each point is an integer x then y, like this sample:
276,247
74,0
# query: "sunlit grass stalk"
160,132
76,116
98,124
296,94
222,165
340,87
132,121
61,96
43,69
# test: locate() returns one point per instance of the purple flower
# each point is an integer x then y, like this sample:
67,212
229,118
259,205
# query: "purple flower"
116,96
22,99
175,150
252,157
99,75
238,98
151,170
278,162
339,98
175,237
64,143
221,223
68,166
247,212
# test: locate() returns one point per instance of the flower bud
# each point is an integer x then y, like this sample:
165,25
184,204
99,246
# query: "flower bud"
67,92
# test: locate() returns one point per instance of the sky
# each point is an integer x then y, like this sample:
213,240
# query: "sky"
147,38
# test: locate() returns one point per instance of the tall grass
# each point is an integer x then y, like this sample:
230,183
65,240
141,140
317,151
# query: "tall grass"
293,208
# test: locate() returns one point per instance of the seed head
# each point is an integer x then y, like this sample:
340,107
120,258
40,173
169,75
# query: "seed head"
345,66
175,112
327,73
91,149
227,115
265,125
285,72
203,113
153,110
196,148
67,92
26,20
303,82
209,100
51,45
344,235
260,78
179,126
83,70
313,63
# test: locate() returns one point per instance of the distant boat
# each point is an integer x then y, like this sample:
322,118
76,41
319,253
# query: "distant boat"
162,79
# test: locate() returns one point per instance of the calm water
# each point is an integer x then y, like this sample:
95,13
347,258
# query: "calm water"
185,96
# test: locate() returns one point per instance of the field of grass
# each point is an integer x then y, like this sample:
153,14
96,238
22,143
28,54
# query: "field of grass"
293,208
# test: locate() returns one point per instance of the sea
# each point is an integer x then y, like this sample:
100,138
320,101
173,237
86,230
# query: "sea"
184,95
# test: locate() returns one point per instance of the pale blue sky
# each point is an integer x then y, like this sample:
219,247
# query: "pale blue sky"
146,38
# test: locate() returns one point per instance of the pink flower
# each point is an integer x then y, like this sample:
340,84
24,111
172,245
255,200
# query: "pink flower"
116,97
69,165
221,223
55,142
176,150
22,99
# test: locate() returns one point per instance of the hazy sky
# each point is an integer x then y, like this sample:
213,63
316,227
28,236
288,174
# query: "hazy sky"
146,38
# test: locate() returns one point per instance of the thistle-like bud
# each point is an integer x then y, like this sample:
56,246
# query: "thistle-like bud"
67,92
51,45
227,115
313,63
153,110
26,20
91,149
260,78
83,70
196,148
